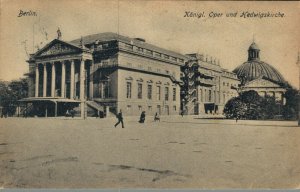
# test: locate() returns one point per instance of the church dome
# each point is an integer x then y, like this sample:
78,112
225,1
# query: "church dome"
254,68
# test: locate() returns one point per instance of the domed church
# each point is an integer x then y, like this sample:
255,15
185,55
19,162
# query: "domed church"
259,76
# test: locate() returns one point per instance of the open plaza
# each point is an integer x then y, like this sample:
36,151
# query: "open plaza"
177,152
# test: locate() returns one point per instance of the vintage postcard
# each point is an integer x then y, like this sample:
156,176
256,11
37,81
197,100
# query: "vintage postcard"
149,94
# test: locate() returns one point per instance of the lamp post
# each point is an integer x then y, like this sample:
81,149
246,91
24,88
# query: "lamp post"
298,63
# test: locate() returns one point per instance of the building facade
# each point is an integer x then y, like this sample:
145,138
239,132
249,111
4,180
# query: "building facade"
104,73
209,86
260,76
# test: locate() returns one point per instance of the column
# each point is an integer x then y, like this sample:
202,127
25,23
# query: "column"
81,95
72,79
53,81
63,79
45,80
92,80
37,80
81,89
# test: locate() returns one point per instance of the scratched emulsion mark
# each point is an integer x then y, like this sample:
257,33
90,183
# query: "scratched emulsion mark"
160,173
6,153
197,151
68,159
3,143
37,157
172,142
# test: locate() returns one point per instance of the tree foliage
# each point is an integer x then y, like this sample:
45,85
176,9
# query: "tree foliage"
249,105
291,107
11,92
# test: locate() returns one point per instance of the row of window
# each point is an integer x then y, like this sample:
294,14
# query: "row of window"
158,108
224,84
214,96
149,92
150,69
152,53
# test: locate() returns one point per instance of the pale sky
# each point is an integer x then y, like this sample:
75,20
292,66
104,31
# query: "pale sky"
161,23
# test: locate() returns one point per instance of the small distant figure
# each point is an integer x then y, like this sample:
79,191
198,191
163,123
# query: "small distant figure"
237,118
120,119
182,113
72,112
68,113
143,117
156,117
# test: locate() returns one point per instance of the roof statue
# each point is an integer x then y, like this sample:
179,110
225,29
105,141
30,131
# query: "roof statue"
58,33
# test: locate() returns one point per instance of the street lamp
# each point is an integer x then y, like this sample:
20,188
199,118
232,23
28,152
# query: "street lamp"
298,63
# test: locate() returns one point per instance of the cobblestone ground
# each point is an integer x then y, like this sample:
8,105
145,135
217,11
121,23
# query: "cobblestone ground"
175,153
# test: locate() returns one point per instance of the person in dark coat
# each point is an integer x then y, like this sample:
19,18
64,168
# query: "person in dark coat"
120,119
143,117
156,117
72,113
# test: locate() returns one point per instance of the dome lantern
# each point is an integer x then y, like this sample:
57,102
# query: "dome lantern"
253,52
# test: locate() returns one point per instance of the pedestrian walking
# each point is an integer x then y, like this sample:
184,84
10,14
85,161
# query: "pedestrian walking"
72,113
120,119
156,117
142,117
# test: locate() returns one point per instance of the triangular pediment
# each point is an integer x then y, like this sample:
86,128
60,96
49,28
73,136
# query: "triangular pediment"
57,47
261,82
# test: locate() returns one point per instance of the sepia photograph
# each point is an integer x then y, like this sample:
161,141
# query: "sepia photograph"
121,94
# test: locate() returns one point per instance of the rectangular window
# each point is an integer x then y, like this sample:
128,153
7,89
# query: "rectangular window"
129,46
174,108
140,108
209,95
149,52
158,93
149,93
149,108
157,54
201,95
128,90
174,94
166,93
140,91
158,109
140,49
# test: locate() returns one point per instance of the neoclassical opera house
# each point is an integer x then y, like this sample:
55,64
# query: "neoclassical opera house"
260,76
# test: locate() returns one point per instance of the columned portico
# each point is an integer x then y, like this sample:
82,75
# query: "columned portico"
61,82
